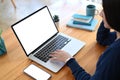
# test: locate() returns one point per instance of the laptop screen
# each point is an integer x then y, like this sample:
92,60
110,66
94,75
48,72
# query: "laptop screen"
35,29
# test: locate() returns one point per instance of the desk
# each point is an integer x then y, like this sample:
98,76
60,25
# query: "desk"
15,61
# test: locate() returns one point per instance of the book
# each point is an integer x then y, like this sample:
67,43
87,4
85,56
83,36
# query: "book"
82,19
85,27
81,23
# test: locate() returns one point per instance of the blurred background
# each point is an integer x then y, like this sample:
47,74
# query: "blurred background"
12,11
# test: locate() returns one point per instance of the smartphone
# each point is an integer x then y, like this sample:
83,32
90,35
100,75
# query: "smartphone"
36,73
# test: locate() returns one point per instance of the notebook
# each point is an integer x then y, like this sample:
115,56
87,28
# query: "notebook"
37,34
84,27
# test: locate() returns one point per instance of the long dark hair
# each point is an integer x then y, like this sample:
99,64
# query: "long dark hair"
112,13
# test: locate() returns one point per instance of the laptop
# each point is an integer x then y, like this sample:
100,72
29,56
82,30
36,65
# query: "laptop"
39,36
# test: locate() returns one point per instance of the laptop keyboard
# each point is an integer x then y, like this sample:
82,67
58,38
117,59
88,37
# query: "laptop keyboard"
58,43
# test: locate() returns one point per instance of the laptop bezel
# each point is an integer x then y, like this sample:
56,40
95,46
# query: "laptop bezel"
12,26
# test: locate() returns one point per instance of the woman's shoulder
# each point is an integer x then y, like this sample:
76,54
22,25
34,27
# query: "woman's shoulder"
115,45
112,52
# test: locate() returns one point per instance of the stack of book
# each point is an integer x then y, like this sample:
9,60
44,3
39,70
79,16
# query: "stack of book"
82,19
82,22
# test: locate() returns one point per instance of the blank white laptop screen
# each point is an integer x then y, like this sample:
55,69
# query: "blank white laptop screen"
37,30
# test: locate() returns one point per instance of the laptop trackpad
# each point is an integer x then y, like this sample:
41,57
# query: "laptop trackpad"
58,63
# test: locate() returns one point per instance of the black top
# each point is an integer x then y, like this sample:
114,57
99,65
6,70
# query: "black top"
108,66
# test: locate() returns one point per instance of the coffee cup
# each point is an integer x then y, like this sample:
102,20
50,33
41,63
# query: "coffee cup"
91,10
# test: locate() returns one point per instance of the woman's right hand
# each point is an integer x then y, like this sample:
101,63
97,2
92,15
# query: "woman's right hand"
60,55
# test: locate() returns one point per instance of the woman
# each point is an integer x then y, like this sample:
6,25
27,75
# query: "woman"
108,66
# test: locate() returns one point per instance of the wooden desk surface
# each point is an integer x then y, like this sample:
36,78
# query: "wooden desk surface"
15,61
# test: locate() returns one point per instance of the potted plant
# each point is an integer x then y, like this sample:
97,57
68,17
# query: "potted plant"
2,45
56,20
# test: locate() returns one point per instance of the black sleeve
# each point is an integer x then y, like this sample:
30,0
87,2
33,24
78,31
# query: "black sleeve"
104,36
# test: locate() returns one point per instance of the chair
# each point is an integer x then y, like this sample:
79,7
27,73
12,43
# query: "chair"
13,3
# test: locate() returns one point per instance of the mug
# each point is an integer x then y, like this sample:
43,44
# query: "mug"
91,10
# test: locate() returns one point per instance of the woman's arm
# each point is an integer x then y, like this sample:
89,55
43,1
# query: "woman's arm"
78,72
104,36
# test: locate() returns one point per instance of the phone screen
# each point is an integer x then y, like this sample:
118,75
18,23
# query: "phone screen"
37,73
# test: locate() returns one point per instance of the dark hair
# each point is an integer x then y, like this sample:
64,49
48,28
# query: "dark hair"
112,13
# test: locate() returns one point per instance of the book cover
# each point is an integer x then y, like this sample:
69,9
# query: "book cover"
85,27
81,23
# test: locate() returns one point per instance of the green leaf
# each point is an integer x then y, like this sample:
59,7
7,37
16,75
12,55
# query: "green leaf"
56,18
0,32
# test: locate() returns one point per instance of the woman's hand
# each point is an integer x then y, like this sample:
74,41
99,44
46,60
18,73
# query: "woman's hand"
60,55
